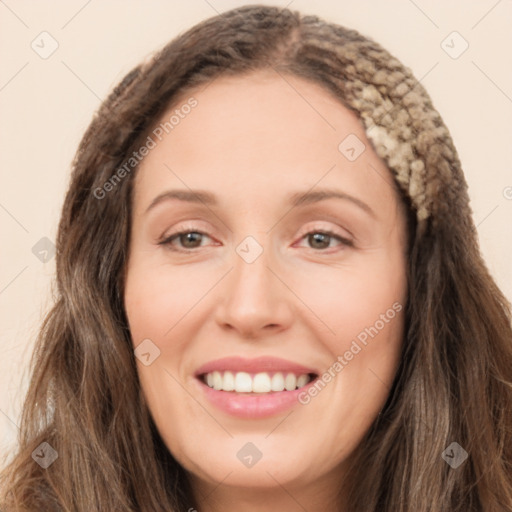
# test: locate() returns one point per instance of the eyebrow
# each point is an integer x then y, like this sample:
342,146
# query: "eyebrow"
296,199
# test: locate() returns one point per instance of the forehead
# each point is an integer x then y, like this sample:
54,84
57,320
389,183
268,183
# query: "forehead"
263,132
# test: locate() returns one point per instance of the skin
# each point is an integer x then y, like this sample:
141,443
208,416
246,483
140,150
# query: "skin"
252,141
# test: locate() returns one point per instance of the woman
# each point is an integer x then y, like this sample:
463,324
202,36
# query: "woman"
265,370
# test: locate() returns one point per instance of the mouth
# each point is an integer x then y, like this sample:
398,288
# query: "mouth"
256,383
254,388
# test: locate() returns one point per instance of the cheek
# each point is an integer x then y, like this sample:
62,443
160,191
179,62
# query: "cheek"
159,306
345,301
157,298
359,319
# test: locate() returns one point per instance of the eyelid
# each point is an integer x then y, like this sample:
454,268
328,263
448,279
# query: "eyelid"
166,240
187,225
181,229
190,227
332,231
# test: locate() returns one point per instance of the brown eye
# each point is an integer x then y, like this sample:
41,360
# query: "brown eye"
319,240
322,239
188,240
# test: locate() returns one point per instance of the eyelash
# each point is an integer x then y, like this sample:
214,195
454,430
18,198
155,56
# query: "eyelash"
167,241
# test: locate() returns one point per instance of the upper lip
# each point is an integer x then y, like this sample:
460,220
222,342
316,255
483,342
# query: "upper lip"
257,365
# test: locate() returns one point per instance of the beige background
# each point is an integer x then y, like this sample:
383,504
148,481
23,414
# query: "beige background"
46,104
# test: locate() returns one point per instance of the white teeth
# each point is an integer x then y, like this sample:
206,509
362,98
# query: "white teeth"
302,380
261,383
243,382
228,383
278,382
290,382
217,380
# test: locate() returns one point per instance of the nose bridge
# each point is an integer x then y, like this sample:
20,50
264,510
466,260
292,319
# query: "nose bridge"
254,297
253,251
251,273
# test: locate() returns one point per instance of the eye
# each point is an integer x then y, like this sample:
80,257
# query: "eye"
321,239
191,239
188,240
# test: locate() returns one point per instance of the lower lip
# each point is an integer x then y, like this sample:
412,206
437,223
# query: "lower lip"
250,405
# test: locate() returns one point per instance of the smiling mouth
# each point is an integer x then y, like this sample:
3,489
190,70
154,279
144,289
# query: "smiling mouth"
256,383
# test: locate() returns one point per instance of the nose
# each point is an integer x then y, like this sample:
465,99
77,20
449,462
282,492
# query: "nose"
255,299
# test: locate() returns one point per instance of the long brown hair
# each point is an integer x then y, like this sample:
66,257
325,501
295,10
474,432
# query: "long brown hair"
454,382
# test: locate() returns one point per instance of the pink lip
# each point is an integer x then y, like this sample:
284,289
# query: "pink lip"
260,364
252,405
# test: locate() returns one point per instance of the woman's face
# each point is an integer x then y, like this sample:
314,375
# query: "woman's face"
282,286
